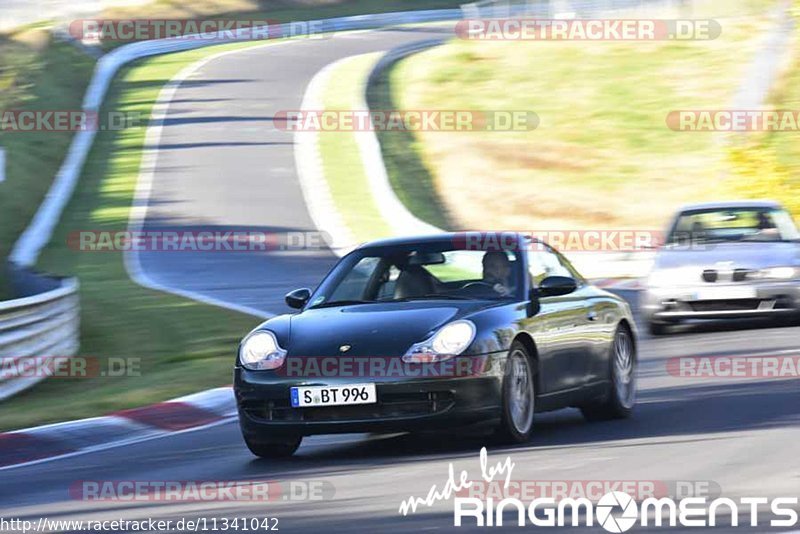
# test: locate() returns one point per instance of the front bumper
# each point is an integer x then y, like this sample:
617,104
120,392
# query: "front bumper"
765,299
404,404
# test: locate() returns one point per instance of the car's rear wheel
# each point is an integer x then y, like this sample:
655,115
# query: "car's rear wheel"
275,448
519,396
621,395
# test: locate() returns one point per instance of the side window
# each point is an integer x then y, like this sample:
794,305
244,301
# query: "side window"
542,262
353,286
571,268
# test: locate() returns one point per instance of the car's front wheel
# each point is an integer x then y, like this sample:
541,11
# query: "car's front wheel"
519,396
275,448
621,396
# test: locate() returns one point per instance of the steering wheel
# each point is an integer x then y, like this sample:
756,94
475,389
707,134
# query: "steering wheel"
478,289
476,285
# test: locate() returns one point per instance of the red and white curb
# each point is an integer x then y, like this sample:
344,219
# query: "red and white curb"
39,444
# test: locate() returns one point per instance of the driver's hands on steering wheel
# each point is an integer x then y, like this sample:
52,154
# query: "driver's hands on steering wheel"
498,287
501,289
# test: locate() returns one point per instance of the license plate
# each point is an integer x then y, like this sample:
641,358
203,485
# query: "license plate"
334,395
726,293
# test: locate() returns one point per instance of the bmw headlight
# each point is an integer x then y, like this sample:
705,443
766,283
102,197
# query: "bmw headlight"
779,273
448,342
260,351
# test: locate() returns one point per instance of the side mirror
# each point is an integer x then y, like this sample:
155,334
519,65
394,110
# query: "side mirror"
554,286
298,298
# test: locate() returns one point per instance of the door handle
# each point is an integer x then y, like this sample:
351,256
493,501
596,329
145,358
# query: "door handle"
592,315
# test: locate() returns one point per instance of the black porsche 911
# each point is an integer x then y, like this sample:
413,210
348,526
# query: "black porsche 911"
435,332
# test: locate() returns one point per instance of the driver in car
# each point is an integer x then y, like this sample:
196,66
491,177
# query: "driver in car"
497,272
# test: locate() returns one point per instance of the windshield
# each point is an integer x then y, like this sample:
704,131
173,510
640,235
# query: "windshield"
736,224
394,274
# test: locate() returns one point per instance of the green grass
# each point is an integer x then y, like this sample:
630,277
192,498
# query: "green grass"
767,165
341,159
401,151
35,74
184,346
602,134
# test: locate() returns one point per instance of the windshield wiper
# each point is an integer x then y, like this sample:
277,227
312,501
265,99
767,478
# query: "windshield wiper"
334,303
434,296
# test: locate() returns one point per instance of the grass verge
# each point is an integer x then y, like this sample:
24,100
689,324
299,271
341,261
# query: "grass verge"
182,346
401,151
767,164
341,158
602,135
36,73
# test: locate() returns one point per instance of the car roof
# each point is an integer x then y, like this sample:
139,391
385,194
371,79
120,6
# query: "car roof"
444,237
731,204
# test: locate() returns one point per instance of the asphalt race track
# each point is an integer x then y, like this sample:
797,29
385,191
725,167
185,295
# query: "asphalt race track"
223,165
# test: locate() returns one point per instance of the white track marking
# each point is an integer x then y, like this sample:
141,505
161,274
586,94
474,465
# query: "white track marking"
311,174
144,186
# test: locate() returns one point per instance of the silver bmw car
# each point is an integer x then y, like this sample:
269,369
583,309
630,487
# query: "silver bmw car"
725,260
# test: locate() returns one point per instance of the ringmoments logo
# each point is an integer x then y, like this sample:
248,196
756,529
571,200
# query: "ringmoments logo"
616,500
615,511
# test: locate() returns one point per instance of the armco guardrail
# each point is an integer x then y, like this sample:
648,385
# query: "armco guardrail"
38,234
41,326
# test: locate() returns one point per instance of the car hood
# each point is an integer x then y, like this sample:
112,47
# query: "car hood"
386,329
741,255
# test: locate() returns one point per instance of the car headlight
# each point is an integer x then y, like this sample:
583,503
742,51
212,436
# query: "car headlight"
260,351
779,273
450,341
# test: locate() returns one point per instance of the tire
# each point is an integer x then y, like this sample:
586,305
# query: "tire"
274,449
620,398
657,329
519,397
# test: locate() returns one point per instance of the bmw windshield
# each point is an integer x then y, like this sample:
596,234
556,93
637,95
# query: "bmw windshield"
733,224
